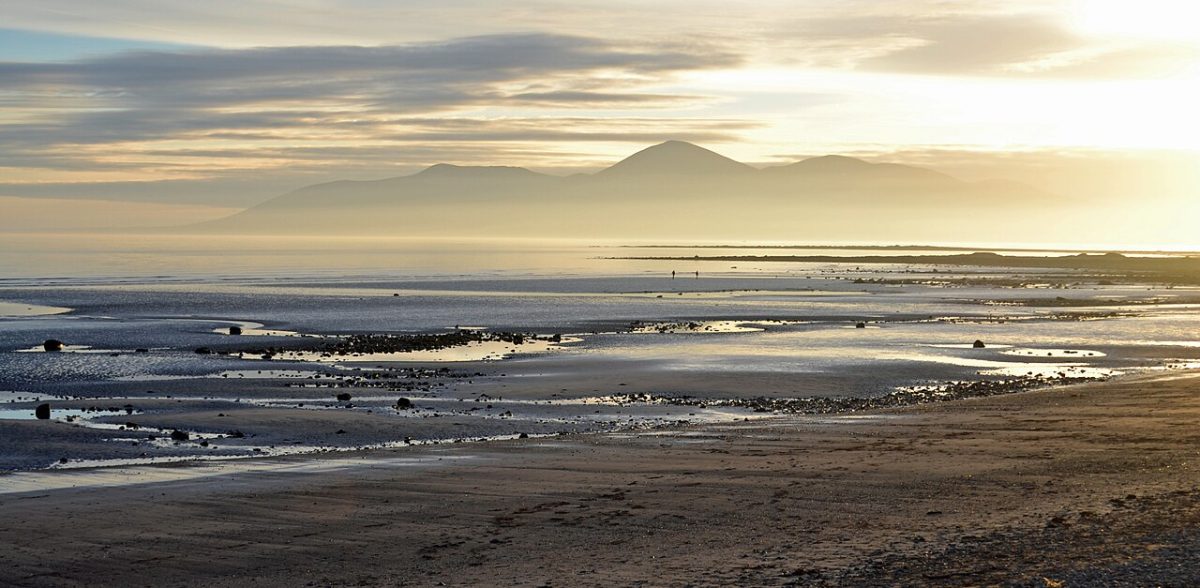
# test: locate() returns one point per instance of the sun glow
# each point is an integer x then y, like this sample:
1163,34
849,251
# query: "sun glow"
1168,20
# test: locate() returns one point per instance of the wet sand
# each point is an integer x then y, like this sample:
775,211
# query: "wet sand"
1084,485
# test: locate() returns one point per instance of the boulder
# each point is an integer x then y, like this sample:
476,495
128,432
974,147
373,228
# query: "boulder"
860,325
178,435
235,330
978,344
53,345
42,411
203,351
403,404
344,397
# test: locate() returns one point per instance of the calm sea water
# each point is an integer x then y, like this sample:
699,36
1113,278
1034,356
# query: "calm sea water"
170,256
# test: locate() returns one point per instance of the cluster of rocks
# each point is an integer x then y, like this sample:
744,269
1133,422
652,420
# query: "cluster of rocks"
363,344
43,411
392,379
901,397
666,326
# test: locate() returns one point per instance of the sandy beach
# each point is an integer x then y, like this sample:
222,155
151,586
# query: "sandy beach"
1071,486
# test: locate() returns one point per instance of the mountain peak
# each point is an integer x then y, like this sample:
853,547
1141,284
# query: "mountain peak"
448,170
842,168
676,158
833,163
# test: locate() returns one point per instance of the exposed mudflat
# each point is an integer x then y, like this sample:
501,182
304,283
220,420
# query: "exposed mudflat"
1083,485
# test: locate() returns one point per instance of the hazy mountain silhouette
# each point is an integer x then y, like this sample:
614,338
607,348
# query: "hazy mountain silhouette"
676,158
671,190
841,168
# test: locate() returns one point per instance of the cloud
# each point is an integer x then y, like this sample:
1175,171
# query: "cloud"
279,102
416,74
977,44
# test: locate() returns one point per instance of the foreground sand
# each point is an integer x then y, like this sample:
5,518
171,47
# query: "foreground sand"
1076,486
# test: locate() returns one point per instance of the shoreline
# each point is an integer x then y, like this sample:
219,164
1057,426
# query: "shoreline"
927,494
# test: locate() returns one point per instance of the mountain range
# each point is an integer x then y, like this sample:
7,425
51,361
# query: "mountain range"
670,190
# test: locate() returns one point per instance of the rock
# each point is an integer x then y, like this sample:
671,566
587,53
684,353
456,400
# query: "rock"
42,411
53,345
62,460
860,325
403,404
203,351
178,435
978,345
235,330
344,397
523,436
141,350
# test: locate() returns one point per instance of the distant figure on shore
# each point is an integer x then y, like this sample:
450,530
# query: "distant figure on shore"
672,274
697,275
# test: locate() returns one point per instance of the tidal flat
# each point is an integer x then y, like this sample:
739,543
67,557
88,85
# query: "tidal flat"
211,386
186,369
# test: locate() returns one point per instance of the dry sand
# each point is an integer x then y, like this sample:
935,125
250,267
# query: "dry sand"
1077,486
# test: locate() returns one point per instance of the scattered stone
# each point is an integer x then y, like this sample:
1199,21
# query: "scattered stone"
523,436
53,345
403,404
203,351
978,344
860,325
344,397
141,350
42,412
235,330
178,435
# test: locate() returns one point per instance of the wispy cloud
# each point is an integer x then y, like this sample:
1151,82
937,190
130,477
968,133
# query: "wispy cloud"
279,104
976,44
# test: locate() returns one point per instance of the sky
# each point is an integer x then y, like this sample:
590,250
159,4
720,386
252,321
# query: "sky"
217,105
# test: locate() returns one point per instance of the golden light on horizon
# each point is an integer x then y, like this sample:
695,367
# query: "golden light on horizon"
1173,20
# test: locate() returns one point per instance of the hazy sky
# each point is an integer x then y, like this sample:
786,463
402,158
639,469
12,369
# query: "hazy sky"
228,102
